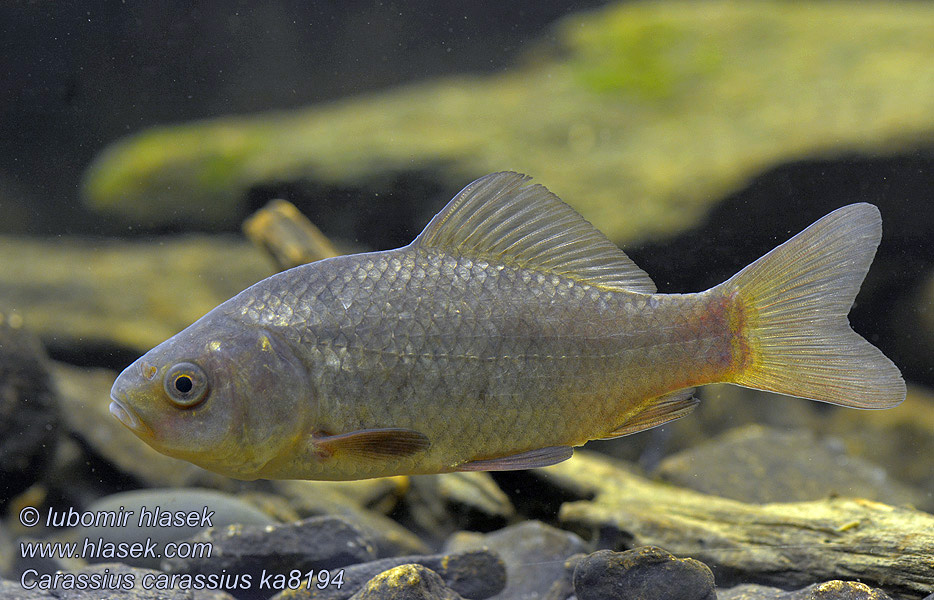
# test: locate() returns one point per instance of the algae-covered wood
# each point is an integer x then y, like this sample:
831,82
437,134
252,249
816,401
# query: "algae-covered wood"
288,235
102,295
647,114
786,543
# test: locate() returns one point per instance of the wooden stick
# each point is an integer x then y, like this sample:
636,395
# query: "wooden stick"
790,544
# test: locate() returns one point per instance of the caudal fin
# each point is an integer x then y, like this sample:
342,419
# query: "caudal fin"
793,328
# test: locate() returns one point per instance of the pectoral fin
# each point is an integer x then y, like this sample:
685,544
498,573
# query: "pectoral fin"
660,411
540,457
373,443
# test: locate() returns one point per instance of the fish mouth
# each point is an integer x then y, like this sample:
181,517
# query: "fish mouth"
128,417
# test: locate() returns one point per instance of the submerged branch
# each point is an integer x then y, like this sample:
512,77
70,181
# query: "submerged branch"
788,543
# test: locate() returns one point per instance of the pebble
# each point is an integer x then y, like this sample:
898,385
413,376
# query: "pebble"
226,509
444,503
647,573
41,564
563,587
892,438
406,582
764,464
533,553
13,590
829,590
476,574
313,544
361,502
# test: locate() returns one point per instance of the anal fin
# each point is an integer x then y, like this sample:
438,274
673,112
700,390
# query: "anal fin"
661,410
532,459
373,443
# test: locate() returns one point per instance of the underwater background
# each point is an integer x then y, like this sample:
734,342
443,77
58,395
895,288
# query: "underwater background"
136,139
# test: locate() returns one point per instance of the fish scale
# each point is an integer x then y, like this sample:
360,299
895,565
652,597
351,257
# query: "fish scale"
507,333
513,342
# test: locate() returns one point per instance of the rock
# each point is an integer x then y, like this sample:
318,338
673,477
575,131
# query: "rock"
313,544
896,439
751,591
360,502
211,595
29,413
406,582
85,400
900,439
762,464
563,587
225,510
86,299
24,563
476,574
531,550
647,573
442,504
676,105
121,523
811,541
829,590
388,537
13,590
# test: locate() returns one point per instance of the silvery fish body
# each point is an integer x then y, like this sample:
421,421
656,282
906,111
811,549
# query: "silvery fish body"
507,333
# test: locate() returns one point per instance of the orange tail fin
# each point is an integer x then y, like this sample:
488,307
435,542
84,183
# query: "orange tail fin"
794,301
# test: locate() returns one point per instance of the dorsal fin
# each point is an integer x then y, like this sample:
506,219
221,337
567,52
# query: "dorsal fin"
501,217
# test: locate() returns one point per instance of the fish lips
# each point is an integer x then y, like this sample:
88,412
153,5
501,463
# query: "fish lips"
126,415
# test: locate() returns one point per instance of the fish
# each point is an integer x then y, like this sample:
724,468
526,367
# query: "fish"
509,332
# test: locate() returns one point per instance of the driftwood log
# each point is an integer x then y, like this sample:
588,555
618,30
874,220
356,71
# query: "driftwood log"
287,235
790,544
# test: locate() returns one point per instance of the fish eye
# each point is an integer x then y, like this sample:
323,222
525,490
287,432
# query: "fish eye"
186,384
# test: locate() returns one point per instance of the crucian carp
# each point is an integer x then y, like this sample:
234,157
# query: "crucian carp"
507,333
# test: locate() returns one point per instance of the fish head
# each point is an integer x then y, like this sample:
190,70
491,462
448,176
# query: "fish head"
222,394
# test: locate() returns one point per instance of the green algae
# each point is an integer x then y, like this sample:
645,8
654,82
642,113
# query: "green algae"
645,116
649,58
